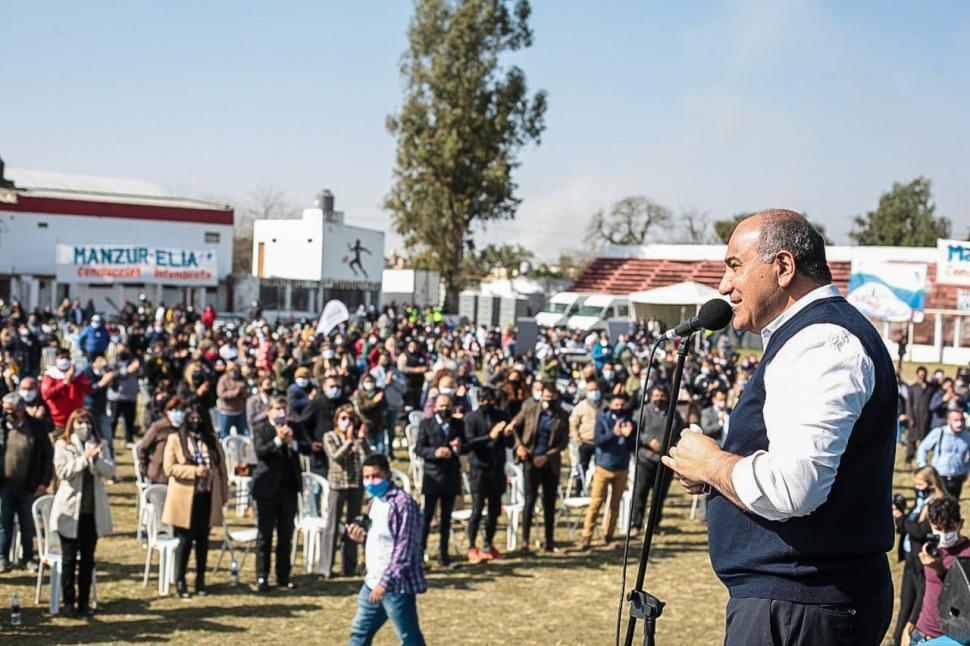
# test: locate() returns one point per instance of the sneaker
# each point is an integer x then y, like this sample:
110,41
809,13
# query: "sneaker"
262,586
492,554
182,589
550,548
70,611
288,585
87,611
31,566
584,545
475,557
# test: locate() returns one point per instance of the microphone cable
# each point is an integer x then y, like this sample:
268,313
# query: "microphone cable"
636,470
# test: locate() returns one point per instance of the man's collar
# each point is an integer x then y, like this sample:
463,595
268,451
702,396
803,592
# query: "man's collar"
826,291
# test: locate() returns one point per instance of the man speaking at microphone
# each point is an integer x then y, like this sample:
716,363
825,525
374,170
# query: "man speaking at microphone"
798,514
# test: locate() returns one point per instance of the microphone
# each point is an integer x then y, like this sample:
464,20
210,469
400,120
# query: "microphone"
715,314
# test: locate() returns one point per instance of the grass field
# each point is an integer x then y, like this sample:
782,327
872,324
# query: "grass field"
567,599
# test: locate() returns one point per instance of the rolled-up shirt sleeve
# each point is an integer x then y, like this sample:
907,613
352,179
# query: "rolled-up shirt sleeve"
815,390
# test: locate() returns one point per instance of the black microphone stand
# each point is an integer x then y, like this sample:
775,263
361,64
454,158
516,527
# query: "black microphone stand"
644,605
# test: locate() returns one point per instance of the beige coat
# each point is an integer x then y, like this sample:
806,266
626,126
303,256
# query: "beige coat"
69,466
181,486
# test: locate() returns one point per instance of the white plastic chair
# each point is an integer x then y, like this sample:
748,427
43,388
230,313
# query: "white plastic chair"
401,479
415,417
233,537
311,527
462,515
573,503
516,504
16,548
239,450
48,543
160,539
624,517
140,482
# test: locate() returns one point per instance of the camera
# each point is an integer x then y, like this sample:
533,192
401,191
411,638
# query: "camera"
363,520
933,545
899,502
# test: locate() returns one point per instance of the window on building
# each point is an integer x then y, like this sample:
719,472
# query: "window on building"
300,299
271,297
41,225
211,237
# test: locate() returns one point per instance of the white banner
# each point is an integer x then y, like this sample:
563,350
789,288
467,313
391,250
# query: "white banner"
352,257
888,291
108,263
952,262
334,313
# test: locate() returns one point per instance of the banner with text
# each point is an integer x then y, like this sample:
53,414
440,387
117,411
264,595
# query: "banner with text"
888,291
107,263
952,262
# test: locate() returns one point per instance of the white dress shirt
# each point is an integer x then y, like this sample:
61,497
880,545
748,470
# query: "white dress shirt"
815,389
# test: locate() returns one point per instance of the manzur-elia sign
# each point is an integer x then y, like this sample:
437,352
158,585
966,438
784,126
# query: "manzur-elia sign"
135,264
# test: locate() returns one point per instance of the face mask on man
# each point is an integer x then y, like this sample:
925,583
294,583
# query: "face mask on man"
661,405
948,539
28,395
608,375
377,488
63,364
593,396
547,404
279,418
302,382
333,392
83,431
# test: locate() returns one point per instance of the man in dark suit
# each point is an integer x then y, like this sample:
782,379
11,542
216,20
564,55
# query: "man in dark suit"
317,419
277,481
538,445
487,435
715,418
439,443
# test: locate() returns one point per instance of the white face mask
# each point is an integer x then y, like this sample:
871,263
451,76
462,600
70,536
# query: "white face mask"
948,539
28,395
176,417
537,395
83,431
343,424
447,391
302,382
279,419
63,364
956,427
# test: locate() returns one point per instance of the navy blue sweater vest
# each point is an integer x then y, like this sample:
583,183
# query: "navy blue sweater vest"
837,553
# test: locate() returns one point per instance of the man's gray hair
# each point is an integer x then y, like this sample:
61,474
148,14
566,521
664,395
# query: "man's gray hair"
15,400
784,230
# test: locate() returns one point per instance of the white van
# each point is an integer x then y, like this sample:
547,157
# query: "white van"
597,309
559,308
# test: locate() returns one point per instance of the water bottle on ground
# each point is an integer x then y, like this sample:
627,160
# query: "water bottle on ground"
234,573
15,610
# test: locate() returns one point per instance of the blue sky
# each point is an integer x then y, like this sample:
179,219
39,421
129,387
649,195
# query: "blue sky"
719,106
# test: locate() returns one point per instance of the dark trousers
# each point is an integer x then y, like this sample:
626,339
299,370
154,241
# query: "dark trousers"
954,485
586,454
646,475
197,532
276,513
124,409
548,478
757,622
487,489
337,502
16,499
79,556
431,500
914,579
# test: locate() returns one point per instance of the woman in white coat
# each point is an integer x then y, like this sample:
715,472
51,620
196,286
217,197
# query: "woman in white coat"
80,513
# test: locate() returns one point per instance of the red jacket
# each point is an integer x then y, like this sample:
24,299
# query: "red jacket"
63,399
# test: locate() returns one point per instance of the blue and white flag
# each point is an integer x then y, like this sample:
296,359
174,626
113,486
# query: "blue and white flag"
888,291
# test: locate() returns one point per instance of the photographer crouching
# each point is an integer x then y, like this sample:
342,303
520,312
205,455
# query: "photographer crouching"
945,544
392,531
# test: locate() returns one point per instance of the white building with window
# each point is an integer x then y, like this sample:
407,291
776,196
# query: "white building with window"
109,240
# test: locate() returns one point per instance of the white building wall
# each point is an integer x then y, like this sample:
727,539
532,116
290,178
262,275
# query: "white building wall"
293,249
27,246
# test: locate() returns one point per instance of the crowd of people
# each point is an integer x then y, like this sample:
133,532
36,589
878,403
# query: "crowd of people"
180,381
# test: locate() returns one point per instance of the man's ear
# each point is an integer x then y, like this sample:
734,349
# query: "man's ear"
784,266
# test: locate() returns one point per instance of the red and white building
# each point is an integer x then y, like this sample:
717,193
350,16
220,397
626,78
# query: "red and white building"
942,336
109,240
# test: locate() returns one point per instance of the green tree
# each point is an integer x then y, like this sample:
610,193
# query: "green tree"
724,228
628,222
508,257
459,131
905,217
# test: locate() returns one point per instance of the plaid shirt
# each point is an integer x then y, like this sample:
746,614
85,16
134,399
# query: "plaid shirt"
404,573
346,458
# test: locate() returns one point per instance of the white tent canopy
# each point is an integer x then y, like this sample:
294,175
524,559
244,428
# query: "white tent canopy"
686,293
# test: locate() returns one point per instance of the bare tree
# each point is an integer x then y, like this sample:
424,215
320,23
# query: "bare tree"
262,203
628,223
691,226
